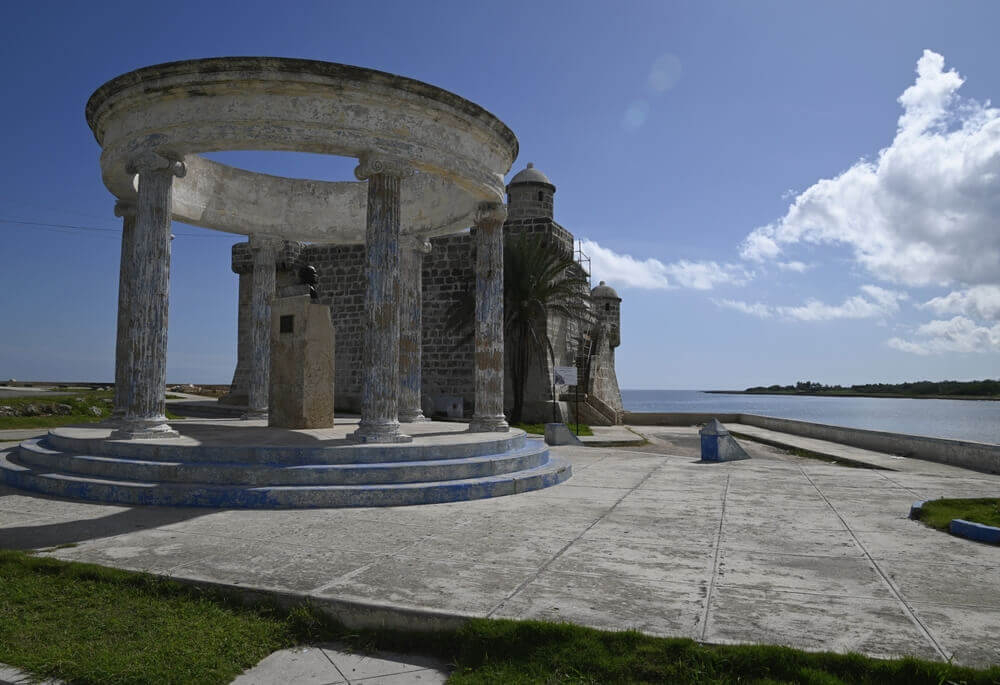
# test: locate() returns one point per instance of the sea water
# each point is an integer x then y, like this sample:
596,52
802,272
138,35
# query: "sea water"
975,420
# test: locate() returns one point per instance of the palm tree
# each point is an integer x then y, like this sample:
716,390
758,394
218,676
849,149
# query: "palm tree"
539,280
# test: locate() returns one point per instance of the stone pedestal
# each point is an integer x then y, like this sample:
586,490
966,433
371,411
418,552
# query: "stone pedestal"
718,445
302,348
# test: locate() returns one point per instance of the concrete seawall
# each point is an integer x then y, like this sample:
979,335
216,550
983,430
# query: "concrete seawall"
976,456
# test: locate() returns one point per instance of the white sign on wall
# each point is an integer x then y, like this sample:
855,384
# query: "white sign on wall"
565,375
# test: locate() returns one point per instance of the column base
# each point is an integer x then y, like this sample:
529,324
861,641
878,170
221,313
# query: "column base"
379,432
143,429
254,415
412,417
489,424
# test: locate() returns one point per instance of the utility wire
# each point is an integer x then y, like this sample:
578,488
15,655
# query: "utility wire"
69,228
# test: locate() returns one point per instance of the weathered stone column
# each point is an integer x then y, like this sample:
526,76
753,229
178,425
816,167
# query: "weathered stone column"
242,266
380,357
265,253
411,264
489,319
148,303
126,278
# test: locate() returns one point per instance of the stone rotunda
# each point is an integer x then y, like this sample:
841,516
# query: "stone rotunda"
430,163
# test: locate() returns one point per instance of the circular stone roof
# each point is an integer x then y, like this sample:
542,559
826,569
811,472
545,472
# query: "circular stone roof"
458,150
530,175
604,290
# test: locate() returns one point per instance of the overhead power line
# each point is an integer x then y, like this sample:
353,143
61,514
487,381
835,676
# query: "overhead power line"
69,228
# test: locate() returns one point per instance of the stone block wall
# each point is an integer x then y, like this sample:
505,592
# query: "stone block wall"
448,274
342,287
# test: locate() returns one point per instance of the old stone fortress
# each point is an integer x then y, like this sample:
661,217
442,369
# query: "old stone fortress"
343,290
446,266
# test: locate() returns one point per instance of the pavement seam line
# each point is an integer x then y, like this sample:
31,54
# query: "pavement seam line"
569,544
715,563
901,486
907,609
343,677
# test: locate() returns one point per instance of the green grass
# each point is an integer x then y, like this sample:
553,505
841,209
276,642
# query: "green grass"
81,404
88,624
539,428
939,513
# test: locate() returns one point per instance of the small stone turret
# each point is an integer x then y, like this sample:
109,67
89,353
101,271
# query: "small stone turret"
530,195
607,308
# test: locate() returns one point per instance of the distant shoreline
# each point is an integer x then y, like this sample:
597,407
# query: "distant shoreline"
886,395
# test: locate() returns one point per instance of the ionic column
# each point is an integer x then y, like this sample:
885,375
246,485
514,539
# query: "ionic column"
265,252
489,319
149,290
411,264
380,357
126,277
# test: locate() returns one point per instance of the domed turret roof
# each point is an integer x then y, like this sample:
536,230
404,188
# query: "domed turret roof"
604,290
530,175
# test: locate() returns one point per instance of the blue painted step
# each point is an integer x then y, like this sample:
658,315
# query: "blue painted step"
38,454
130,492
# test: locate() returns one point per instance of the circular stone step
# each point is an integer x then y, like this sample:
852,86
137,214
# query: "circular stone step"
244,464
551,473
36,453
252,442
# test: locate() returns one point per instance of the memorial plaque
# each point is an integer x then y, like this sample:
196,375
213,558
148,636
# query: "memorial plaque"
286,324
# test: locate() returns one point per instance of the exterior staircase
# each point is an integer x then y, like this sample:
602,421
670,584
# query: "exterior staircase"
275,476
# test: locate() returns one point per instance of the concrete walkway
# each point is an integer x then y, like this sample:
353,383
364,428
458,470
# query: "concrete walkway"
775,549
333,664
842,452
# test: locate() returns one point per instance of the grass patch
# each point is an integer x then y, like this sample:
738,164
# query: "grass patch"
82,407
87,407
938,513
539,428
89,624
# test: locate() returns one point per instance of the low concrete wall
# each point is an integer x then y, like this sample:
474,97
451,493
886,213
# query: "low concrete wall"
977,456
635,418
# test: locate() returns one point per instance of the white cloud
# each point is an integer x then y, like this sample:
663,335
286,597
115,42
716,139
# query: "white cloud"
980,302
757,309
798,267
925,210
952,335
625,270
874,303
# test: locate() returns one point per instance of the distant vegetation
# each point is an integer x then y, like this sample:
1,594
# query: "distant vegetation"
983,388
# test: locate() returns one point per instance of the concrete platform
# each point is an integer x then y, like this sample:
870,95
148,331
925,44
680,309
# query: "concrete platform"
245,464
775,549
335,664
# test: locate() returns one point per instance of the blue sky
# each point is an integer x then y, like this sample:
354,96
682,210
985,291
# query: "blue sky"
749,176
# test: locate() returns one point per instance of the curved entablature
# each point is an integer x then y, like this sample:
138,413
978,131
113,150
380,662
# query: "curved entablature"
179,110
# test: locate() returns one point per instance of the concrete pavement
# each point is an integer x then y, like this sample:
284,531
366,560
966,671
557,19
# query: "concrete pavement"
775,549
334,664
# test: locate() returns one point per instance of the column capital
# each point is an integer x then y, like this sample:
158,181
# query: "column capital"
490,213
265,243
149,161
371,163
124,208
415,243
